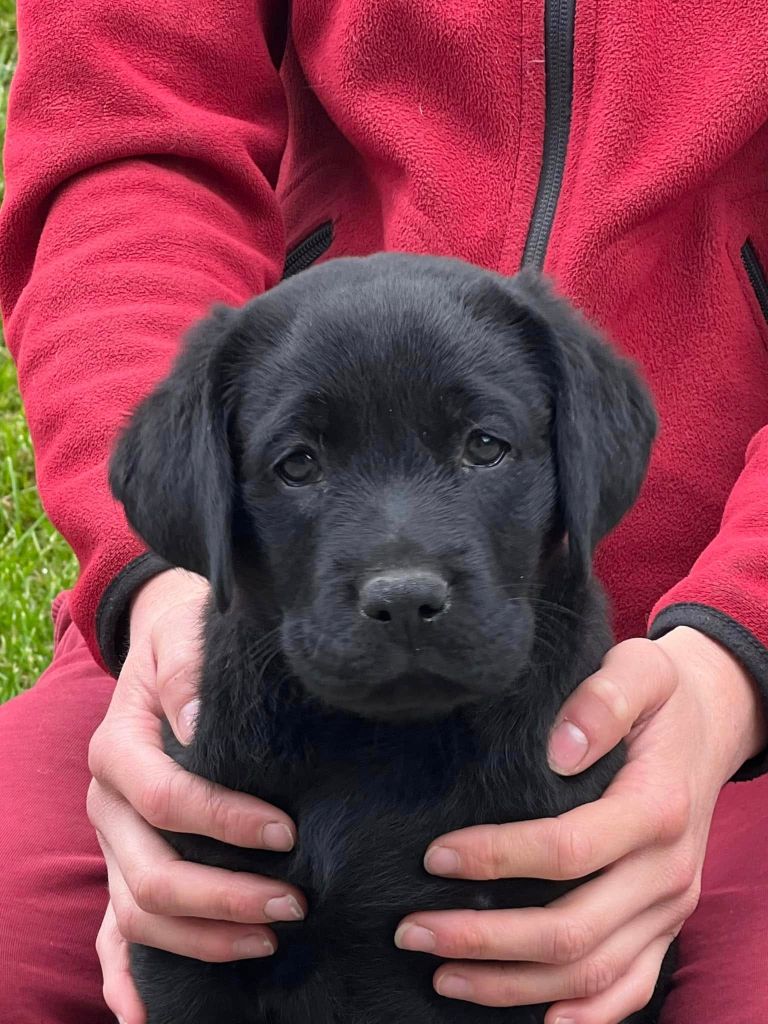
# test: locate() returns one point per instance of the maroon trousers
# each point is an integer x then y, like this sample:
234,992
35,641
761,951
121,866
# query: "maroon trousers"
53,883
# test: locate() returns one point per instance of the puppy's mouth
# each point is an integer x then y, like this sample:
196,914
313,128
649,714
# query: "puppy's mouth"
407,697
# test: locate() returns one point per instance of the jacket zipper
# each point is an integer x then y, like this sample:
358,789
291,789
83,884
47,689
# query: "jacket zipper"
308,250
756,275
559,17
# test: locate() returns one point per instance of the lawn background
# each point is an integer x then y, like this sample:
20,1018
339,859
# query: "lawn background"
35,563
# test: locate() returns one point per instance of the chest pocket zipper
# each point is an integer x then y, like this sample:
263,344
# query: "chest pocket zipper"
756,276
308,250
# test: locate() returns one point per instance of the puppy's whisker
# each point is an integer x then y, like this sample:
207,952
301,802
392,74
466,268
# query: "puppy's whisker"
552,624
555,616
318,643
267,659
546,642
263,643
524,585
542,604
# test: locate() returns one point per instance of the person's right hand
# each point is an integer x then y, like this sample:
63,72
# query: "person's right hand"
156,898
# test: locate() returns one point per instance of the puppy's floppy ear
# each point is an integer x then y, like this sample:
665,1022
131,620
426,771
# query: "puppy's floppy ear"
603,419
172,466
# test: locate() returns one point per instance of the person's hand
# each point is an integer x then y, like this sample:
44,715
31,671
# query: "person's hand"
691,718
156,898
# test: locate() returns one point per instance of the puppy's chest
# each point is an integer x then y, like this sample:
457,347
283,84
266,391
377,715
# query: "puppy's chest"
360,849
363,831
358,855
364,827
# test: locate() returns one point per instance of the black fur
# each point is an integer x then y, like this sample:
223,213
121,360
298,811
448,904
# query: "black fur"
375,739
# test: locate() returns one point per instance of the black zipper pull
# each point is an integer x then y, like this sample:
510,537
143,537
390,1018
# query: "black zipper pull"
308,250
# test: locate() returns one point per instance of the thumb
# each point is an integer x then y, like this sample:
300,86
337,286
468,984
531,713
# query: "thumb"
635,679
166,623
177,644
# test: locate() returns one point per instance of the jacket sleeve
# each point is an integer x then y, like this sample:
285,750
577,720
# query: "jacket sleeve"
725,595
143,145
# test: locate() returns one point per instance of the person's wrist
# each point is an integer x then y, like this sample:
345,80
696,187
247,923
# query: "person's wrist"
728,695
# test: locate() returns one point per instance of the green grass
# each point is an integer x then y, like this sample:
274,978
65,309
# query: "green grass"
35,563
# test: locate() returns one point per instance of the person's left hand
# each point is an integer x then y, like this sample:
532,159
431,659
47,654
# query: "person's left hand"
691,717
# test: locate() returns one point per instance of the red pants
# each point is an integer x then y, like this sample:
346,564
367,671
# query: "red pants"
53,884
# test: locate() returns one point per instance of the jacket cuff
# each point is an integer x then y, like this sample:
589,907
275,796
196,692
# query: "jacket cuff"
112,614
742,644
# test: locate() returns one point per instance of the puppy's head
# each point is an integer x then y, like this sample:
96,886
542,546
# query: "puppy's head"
389,454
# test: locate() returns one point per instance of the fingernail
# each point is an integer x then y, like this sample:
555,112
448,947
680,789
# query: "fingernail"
276,836
439,860
454,986
567,747
283,908
416,938
185,723
564,1020
253,946
121,1020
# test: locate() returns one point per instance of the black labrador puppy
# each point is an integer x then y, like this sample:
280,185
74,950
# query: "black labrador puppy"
394,471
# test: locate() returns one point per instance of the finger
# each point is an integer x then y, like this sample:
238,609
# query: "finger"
568,929
213,942
162,883
635,679
613,1006
119,991
636,811
130,762
526,984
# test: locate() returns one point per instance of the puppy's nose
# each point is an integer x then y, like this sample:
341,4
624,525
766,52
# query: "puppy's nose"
404,597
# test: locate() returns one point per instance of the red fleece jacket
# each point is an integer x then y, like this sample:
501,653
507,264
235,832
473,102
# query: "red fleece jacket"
162,155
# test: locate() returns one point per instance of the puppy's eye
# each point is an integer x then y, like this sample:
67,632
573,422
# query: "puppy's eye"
482,449
299,468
